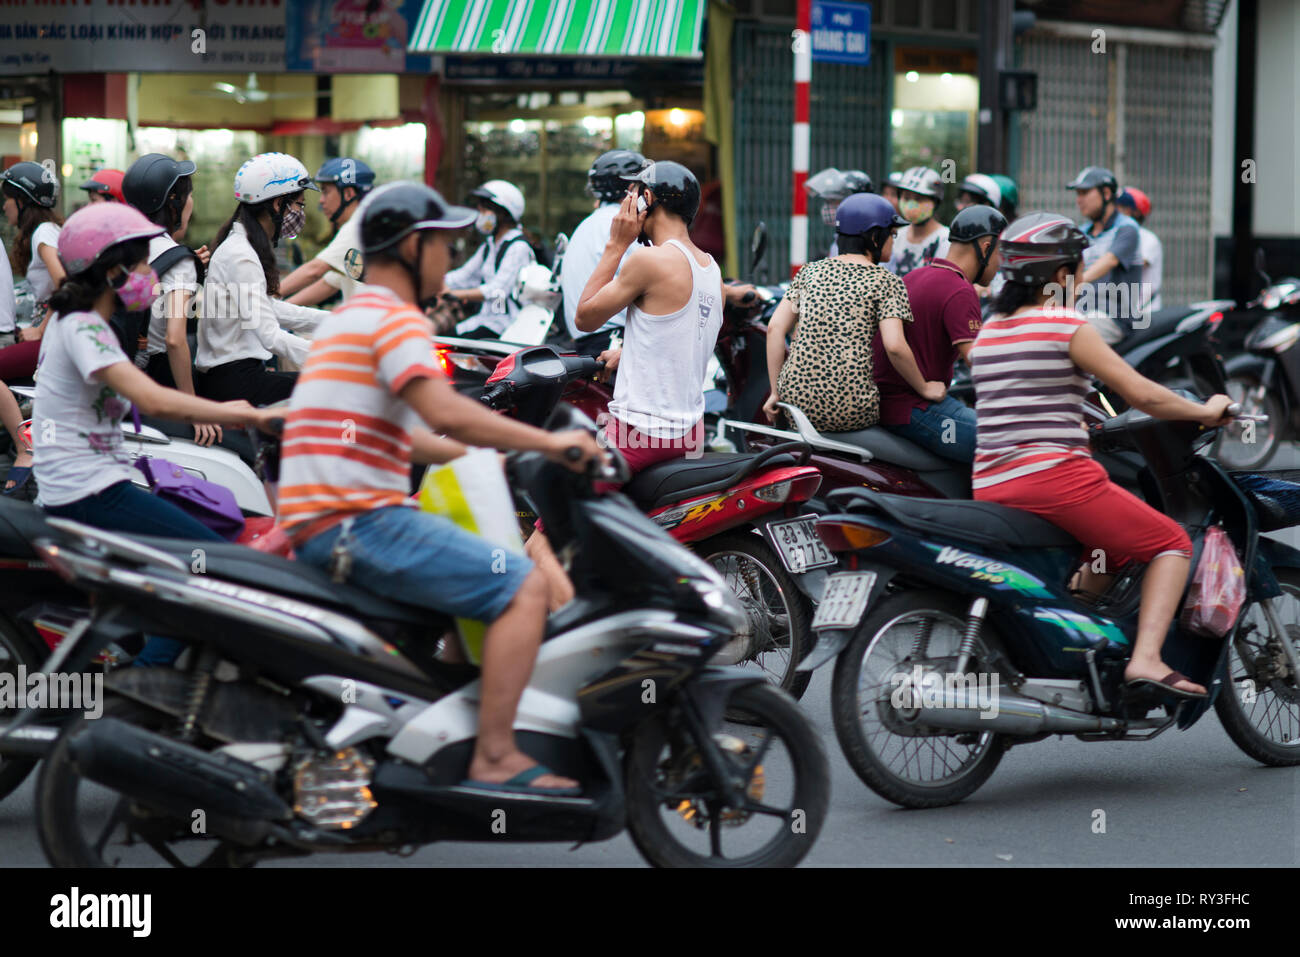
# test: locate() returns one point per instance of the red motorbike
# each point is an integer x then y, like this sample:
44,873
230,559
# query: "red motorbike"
744,513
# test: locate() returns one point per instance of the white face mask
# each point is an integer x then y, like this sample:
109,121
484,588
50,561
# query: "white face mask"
486,222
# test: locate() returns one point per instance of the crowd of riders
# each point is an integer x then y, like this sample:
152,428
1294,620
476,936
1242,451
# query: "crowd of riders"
866,336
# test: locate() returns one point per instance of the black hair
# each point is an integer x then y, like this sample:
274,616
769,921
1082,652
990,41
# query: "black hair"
78,293
248,214
503,216
168,216
870,244
30,215
1015,295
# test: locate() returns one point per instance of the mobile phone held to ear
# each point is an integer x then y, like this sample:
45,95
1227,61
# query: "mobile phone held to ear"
640,204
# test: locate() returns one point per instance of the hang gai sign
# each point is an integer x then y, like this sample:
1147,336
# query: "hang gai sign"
841,32
162,36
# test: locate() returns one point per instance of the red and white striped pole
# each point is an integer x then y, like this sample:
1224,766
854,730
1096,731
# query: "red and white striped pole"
801,144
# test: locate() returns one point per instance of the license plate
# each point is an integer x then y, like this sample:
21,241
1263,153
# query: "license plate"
844,600
799,545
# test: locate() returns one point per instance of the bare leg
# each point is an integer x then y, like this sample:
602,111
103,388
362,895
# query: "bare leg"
559,587
12,417
1162,587
509,653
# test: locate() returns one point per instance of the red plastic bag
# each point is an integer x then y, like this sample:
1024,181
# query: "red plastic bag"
266,536
1218,588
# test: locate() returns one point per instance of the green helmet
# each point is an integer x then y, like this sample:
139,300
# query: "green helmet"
1010,194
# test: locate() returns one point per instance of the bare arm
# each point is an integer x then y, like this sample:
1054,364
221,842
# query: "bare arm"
963,349
317,292
430,449
610,289
302,277
158,400
904,362
779,327
178,346
50,256
1092,355
1104,264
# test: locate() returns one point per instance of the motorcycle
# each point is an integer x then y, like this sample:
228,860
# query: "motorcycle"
738,512
1265,378
956,636
327,731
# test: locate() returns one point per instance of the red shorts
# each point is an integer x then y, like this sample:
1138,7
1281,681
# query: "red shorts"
1079,497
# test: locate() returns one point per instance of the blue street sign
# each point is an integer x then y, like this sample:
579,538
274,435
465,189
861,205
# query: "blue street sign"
841,32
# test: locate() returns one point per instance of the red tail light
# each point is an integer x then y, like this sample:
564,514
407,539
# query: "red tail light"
1214,319
842,536
447,368
790,490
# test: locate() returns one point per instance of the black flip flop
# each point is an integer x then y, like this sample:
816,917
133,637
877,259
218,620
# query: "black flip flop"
1166,685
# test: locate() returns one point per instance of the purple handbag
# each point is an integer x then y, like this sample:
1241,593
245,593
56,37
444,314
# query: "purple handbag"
212,504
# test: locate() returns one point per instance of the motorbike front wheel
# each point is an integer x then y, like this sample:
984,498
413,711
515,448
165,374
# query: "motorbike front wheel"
780,615
1259,704
1250,445
896,756
677,812
16,650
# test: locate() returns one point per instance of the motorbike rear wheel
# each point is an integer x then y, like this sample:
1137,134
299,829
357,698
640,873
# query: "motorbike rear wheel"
780,615
902,762
15,650
676,813
1259,704
1231,449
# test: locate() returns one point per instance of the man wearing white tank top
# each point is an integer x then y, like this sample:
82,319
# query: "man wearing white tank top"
672,292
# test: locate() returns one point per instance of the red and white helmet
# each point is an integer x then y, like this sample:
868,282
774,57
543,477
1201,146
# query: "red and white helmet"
268,175
91,230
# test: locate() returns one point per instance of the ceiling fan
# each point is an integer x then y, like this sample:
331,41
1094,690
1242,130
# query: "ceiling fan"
250,92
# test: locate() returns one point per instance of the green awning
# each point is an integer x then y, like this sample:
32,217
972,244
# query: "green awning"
630,28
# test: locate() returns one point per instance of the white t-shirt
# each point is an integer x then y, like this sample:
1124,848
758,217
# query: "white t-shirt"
908,256
335,254
585,248
1153,264
7,304
76,428
38,275
184,275
660,384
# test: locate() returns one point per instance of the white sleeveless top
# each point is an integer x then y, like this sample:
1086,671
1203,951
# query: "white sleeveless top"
660,385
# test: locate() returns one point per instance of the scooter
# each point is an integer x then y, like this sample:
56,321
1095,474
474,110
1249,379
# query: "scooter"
744,514
330,731
956,635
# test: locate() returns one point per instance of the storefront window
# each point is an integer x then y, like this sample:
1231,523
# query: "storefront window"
933,124
393,152
89,145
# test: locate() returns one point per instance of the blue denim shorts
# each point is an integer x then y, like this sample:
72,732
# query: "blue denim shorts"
424,559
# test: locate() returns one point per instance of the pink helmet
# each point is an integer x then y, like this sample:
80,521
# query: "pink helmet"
91,230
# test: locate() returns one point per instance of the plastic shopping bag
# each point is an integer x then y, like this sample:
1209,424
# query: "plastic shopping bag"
1218,588
472,492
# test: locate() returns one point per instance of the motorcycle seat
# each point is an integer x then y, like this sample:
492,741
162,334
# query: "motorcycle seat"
888,447
980,523
682,478
1163,322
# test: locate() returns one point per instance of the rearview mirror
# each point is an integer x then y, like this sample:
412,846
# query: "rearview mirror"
757,246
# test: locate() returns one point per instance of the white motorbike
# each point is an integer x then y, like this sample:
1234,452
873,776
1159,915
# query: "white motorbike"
537,290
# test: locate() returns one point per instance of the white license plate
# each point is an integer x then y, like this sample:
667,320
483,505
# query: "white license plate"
844,600
799,545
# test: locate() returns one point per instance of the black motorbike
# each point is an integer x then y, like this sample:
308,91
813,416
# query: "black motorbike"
308,716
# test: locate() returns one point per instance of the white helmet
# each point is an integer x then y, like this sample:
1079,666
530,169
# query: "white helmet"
268,175
506,195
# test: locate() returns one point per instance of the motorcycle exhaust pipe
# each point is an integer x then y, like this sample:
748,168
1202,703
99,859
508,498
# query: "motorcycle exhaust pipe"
174,777
964,709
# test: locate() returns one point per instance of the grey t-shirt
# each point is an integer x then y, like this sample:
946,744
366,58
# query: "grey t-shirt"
1118,293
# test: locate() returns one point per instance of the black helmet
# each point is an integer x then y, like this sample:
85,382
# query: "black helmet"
1038,244
976,221
605,178
29,182
390,213
856,181
1093,176
149,181
674,186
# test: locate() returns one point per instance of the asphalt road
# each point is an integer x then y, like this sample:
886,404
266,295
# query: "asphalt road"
1185,799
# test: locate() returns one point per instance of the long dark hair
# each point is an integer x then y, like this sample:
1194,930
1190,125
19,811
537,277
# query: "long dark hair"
30,216
168,216
247,214
78,293
1014,295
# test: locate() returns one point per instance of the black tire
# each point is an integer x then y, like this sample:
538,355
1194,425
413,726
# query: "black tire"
16,649
769,710
1235,454
864,751
739,555
58,820
1239,704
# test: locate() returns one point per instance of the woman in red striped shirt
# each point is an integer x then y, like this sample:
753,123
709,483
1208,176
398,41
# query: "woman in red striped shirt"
1030,367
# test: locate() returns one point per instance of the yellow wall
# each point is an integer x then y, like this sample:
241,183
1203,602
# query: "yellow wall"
178,99
365,97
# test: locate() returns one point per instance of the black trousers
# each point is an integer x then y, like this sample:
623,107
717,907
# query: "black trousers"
246,379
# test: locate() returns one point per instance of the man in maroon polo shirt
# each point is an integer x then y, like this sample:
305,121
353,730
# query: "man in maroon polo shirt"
946,320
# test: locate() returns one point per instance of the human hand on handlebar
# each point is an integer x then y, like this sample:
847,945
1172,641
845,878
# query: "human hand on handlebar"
561,444
1215,411
611,358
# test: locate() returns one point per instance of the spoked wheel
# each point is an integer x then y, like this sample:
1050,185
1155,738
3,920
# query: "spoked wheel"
1250,445
680,816
84,824
1259,704
780,615
15,650
897,757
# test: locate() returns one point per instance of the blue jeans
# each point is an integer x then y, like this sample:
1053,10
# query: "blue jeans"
424,559
946,428
125,508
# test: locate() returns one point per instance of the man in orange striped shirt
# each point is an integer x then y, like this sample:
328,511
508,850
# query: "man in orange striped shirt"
362,411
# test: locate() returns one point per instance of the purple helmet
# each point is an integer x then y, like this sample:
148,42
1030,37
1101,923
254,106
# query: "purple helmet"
860,213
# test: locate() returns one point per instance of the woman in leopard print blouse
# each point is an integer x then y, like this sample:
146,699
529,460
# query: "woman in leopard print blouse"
834,307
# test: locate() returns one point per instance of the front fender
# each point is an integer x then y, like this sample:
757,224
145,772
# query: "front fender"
710,688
